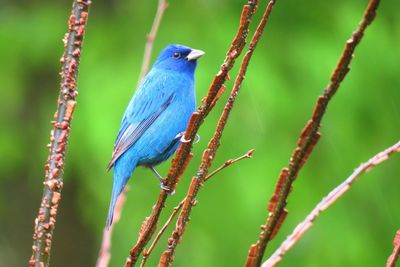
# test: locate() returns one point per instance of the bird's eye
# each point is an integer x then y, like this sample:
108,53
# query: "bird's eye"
177,55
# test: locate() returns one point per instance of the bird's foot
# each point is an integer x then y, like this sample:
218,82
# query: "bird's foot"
166,188
159,177
162,181
197,139
181,136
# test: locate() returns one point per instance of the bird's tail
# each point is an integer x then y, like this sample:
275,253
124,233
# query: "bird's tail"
118,186
114,197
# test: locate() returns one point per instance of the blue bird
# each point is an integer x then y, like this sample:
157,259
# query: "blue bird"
156,117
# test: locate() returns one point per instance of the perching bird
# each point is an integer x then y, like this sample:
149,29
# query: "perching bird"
156,117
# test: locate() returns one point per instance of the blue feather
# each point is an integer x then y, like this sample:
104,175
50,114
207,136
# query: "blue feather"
159,110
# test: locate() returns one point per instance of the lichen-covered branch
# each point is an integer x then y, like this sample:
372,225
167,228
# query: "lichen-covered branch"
308,139
210,152
162,6
183,154
392,260
327,201
146,253
54,169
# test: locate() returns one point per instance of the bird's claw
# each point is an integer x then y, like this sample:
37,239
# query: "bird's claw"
166,188
197,139
181,136
183,140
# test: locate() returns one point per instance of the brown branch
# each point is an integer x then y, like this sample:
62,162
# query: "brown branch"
229,162
146,253
104,254
162,6
308,139
54,168
183,155
327,201
392,260
210,152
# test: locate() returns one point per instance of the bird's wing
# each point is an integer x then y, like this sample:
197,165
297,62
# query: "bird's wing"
137,120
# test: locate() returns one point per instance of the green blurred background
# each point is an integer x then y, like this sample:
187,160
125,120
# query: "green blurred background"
290,68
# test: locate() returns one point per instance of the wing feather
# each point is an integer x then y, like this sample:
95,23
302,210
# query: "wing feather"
131,132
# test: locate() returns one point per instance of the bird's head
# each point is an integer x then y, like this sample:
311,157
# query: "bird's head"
179,58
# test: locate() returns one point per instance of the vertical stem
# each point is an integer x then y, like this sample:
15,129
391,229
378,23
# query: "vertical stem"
162,6
392,260
104,254
54,168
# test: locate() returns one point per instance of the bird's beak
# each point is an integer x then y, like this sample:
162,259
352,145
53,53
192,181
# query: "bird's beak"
194,54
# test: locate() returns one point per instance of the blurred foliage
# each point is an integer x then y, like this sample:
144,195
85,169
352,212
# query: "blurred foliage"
291,66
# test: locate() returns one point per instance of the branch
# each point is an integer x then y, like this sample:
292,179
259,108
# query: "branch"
54,168
229,162
308,139
183,154
391,262
210,152
162,6
104,254
327,201
146,253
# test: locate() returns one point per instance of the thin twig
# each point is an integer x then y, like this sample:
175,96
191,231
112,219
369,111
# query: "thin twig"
210,152
183,154
54,168
308,139
248,155
146,253
104,254
326,202
392,260
162,6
